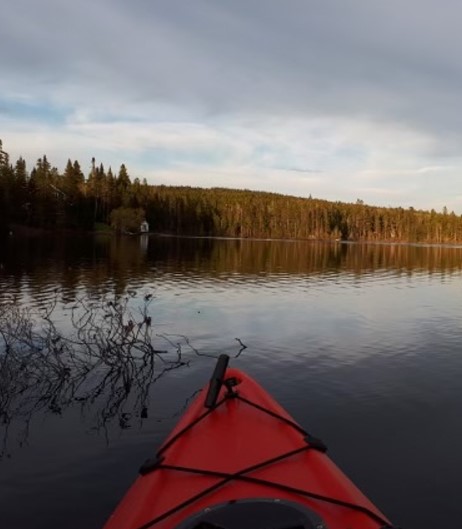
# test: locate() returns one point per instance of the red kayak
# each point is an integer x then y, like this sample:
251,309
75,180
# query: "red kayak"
237,460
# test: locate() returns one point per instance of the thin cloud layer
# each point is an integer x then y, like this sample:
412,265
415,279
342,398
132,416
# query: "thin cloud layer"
335,99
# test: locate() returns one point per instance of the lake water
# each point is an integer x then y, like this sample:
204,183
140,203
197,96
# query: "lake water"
360,343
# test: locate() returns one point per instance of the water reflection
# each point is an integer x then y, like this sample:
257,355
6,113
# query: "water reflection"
361,343
32,268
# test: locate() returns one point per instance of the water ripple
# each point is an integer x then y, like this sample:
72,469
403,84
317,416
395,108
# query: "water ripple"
360,342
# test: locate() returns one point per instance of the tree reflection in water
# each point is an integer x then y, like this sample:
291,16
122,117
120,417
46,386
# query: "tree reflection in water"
101,357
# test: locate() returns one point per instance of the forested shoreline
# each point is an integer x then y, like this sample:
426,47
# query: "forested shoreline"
48,199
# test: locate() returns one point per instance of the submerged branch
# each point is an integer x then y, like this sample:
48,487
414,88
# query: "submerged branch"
103,357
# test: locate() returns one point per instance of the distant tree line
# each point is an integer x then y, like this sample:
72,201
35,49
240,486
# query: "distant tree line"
46,198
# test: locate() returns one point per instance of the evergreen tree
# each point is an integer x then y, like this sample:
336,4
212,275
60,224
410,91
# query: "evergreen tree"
123,185
50,199
21,202
6,190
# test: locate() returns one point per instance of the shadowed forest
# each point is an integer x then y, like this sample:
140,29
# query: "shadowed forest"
44,197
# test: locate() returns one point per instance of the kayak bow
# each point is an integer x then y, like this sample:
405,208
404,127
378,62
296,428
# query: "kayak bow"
237,460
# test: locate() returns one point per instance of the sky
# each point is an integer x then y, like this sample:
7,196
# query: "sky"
337,99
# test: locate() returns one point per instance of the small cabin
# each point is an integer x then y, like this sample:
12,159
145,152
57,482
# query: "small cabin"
144,227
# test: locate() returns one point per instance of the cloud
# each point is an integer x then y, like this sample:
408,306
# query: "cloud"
303,170
372,60
334,98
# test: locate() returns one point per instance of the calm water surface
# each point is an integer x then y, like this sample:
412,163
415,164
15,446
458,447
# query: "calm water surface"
360,343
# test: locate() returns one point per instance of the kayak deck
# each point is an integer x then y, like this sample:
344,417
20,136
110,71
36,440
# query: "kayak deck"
243,447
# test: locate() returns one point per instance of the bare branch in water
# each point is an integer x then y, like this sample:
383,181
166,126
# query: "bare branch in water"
190,346
102,357
243,347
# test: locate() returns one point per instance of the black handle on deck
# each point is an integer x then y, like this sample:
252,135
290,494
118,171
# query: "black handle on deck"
216,381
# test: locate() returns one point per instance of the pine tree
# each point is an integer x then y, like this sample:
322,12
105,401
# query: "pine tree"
123,185
21,200
6,190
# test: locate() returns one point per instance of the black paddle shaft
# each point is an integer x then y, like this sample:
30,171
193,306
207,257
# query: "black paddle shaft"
216,381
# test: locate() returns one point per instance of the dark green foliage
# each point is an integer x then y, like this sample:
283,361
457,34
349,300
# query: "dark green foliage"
127,220
45,198
6,190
